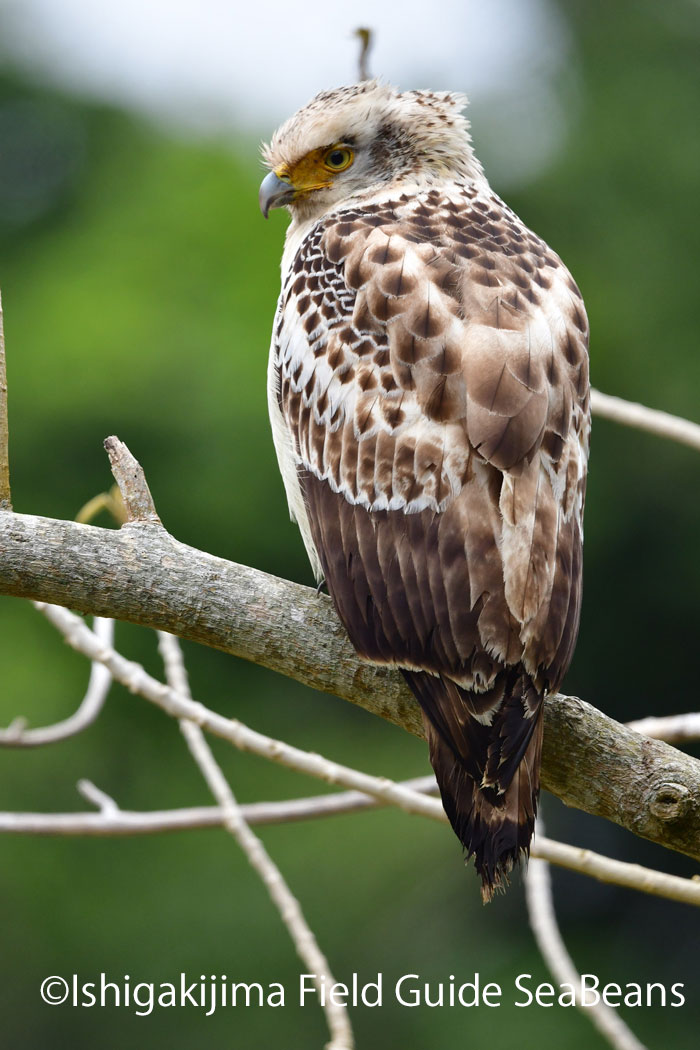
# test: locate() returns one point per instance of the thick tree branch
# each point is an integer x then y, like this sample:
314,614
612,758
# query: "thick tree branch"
141,574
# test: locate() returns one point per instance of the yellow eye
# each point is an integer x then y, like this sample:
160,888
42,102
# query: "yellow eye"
338,158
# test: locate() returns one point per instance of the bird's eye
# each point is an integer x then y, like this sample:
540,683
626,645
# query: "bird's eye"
338,158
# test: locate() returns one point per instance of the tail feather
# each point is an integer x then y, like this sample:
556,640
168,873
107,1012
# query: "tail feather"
488,774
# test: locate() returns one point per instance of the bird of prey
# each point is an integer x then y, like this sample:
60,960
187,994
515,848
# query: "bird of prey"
429,399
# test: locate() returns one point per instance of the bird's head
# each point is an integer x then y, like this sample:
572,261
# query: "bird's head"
356,140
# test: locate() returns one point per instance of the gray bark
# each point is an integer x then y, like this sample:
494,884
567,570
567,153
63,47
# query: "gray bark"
142,574
5,501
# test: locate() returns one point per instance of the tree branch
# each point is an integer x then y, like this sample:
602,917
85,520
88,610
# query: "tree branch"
631,414
287,905
674,729
123,822
111,821
5,499
131,481
18,735
543,920
365,37
142,574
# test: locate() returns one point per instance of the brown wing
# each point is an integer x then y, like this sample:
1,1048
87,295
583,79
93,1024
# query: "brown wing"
433,376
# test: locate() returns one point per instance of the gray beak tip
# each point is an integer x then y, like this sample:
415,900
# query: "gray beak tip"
274,193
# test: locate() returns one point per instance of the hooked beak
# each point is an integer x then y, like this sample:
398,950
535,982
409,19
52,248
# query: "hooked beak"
274,193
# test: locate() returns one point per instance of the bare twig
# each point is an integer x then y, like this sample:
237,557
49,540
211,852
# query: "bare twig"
642,418
5,495
282,897
605,869
135,678
543,920
129,476
115,823
111,502
129,822
17,735
302,936
365,36
105,803
674,729
174,664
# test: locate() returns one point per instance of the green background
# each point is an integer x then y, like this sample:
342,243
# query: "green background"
139,282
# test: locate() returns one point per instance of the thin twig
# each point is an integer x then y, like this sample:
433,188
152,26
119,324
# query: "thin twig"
135,678
674,729
257,814
119,822
17,735
287,905
115,825
365,37
111,502
631,414
282,897
105,803
605,869
5,495
540,906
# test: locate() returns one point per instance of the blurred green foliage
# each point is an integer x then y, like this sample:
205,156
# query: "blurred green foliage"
139,282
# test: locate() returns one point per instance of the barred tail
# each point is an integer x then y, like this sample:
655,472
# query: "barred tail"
488,774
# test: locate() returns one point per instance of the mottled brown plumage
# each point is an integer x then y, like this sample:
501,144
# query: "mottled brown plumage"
429,401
